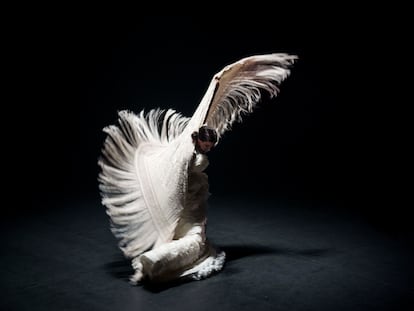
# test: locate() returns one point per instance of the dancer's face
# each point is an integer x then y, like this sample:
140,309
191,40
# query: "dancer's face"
204,146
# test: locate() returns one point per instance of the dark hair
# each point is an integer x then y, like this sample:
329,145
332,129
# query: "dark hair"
205,133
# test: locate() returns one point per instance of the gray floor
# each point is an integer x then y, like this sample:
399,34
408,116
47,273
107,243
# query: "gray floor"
282,255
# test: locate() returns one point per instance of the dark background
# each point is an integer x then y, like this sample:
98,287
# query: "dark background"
311,194
332,135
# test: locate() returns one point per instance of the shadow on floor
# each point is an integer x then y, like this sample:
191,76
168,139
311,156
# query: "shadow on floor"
234,252
121,268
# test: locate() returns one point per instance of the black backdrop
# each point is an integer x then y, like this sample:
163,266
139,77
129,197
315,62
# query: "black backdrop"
324,138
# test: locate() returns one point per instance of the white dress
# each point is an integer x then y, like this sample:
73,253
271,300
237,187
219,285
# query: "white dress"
189,255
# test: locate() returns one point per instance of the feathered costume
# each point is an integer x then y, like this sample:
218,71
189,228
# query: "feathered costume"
152,181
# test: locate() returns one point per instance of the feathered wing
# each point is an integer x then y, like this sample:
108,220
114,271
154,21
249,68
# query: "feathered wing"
131,178
241,85
145,157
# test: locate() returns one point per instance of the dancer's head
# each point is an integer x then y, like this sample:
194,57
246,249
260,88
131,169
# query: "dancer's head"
205,139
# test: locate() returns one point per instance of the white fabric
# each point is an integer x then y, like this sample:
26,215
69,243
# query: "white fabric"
189,254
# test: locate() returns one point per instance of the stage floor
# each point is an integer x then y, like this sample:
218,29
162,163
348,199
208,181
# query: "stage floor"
281,255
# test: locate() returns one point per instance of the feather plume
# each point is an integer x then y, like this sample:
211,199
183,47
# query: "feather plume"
240,87
133,221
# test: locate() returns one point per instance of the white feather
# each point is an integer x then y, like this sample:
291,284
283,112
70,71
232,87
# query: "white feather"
133,220
240,87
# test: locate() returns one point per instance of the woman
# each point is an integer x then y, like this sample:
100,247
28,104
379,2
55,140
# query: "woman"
152,178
